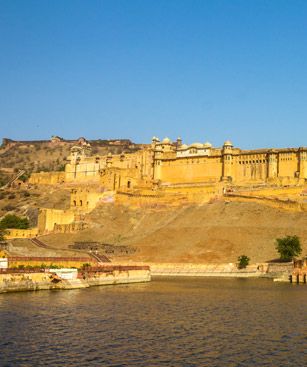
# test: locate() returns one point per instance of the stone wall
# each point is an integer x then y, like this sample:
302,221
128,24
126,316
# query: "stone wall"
14,282
220,270
48,218
63,262
30,281
22,233
118,276
47,178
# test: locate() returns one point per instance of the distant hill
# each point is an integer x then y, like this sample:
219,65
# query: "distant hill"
50,155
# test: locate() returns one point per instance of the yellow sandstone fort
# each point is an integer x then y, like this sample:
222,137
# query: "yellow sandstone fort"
172,173
166,164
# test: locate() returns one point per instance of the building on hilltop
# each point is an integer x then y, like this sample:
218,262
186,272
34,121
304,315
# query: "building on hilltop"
167,163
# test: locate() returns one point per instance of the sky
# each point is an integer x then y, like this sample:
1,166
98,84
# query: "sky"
208,70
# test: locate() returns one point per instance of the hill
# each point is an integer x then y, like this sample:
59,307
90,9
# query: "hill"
218,232
50,155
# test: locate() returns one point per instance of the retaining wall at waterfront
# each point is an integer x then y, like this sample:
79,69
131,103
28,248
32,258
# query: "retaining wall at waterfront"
13,282
201,270
118,275
19,280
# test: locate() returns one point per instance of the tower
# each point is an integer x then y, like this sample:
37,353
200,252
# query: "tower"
227,156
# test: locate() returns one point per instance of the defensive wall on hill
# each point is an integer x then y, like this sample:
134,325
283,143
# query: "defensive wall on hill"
166,173
169,163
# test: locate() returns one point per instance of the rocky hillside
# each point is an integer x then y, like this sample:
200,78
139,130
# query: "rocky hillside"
50,155
216,232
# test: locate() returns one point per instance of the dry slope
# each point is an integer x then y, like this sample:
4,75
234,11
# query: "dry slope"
217,232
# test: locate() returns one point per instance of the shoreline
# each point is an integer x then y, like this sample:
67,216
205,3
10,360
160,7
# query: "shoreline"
41,280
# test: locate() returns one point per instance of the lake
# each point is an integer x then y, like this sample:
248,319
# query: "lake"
168,322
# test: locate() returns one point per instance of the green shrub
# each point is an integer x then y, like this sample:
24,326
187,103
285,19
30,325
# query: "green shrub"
13,221
24,177
288,247
53,266
243,261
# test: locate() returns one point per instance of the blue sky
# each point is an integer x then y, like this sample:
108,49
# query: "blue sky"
202,70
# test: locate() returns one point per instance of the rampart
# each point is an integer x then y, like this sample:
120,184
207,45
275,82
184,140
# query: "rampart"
22,233
47,178
49,218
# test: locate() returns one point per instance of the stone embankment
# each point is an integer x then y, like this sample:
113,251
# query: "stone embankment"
207,270
266,270
14,280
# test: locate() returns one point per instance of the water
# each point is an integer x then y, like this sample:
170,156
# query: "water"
169,322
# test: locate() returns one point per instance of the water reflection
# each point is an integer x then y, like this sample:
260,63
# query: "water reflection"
169,322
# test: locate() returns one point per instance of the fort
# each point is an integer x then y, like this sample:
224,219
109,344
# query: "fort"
167,164
156,199
172,173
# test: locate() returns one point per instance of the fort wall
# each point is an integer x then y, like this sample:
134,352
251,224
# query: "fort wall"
173,163
47,178
48,218
21,233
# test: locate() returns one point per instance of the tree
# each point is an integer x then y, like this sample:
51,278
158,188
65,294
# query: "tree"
13,221
288,247
243,261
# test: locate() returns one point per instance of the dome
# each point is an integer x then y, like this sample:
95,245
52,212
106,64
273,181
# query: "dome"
228,143
154,138
196,145
207,145
166,141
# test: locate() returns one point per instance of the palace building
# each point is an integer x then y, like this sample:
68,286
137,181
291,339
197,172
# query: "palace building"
166,163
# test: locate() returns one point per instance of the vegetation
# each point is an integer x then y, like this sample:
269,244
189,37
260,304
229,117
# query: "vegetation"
53,266
3,233
85,266
24,177
9,207
288,247
243,261
61,167
13,221
4,179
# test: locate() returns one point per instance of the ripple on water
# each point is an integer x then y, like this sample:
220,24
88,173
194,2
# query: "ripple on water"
170,322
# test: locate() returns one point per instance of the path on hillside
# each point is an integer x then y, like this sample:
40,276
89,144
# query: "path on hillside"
99,258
